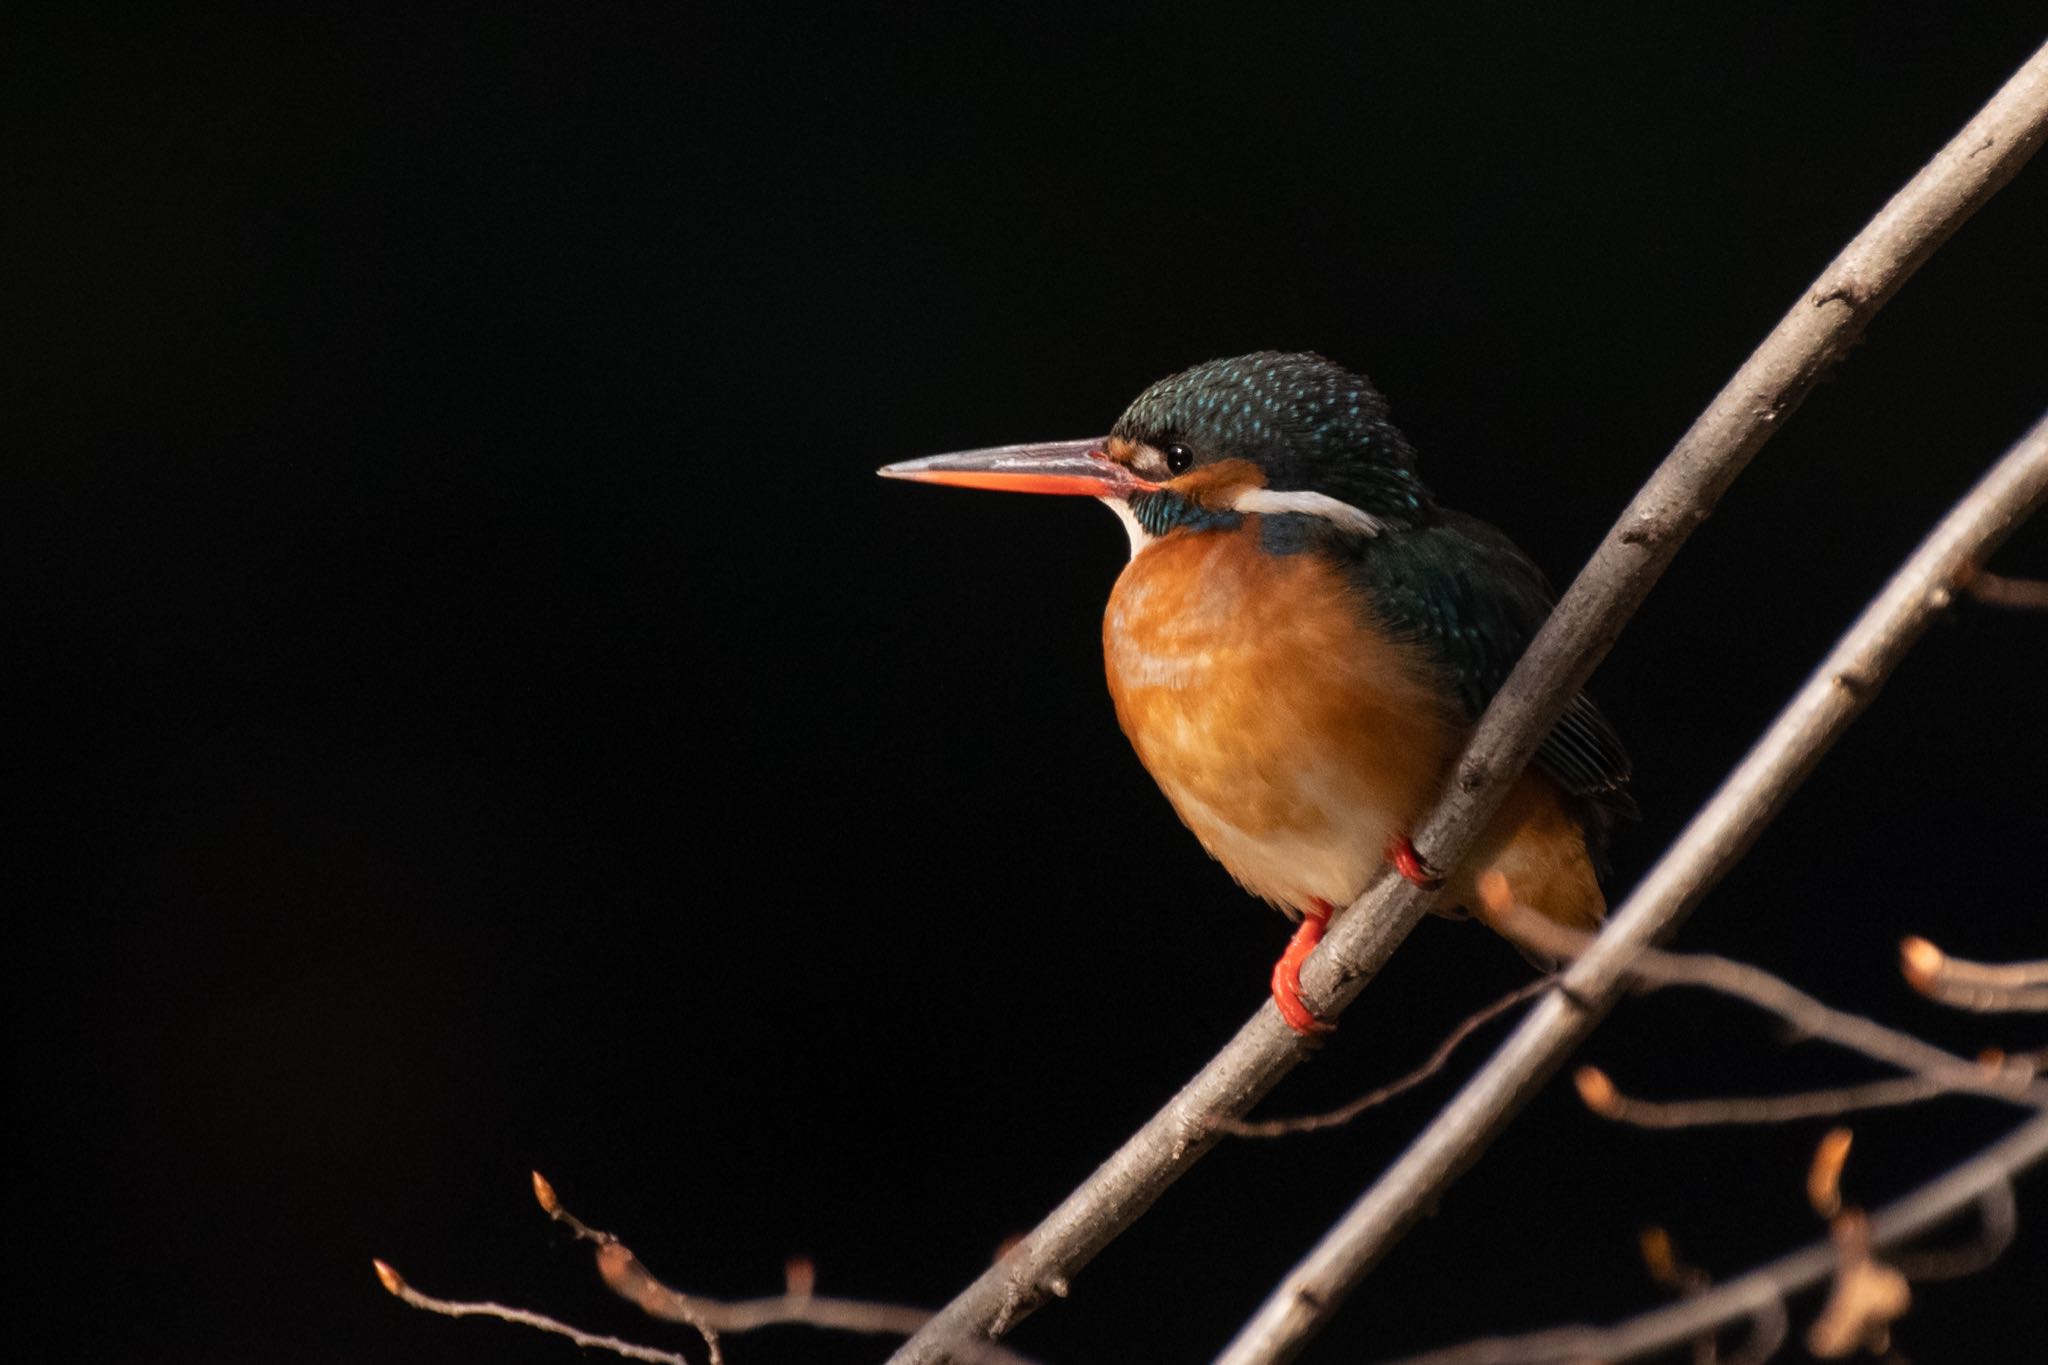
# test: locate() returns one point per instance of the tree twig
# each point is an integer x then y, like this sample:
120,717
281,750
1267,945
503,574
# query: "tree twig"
456,1308
1603,1098
1985,1180
2000,1077
625,1275
2023,594
1816,334
1714,842
1344,1113
1991,987
1998,1218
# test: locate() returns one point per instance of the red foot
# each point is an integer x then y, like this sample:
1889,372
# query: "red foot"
1412,865
1287,973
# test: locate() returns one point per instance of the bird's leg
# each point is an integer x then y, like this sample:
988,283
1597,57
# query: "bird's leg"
1287,971
1412,865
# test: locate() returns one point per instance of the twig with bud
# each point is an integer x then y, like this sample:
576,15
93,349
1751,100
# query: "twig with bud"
799,1302
1866,1294
623,1273
455,1308
1987,987
1931,1071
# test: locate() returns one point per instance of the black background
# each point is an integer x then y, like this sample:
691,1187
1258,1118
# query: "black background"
484,714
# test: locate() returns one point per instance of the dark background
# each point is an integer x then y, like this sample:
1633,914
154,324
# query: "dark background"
484,714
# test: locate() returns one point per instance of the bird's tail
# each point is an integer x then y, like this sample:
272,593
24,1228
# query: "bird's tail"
1534,841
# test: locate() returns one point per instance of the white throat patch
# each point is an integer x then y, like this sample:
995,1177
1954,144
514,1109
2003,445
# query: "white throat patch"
1140,537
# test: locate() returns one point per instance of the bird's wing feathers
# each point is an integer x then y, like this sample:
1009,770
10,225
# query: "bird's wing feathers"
1463,589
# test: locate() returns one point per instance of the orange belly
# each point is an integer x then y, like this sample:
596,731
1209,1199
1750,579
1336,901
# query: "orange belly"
1295,738
1292,737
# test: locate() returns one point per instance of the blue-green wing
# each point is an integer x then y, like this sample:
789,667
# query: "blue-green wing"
1464,590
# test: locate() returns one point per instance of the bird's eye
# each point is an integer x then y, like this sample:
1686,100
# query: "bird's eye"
1179,457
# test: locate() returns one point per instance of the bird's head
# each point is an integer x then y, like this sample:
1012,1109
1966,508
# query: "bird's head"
1267,433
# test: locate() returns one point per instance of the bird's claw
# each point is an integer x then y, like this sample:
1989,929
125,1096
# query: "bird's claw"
1287,977
1412,865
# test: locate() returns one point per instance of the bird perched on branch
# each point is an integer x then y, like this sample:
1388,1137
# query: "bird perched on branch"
1303,638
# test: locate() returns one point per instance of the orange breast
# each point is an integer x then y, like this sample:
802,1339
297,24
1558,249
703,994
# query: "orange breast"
1291,735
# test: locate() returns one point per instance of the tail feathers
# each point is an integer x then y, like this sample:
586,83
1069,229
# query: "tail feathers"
1534,842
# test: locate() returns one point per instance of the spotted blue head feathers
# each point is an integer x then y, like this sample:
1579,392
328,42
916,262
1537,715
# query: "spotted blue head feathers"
1308,423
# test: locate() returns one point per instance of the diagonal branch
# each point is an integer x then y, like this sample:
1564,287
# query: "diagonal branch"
1714,842
1816,334
1984,1179
2002,1078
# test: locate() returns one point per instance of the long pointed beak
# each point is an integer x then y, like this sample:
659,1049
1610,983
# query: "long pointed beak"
1075,467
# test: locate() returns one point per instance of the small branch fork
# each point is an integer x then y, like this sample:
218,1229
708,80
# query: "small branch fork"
1931,1071
1345,1113
1867,1295
625,1276
1816,334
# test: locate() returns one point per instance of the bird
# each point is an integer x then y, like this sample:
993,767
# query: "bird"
1303,638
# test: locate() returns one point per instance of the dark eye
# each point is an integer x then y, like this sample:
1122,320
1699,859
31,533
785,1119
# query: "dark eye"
1179,457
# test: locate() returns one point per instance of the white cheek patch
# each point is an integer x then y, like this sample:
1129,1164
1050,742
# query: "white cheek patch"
1140,537
1333,510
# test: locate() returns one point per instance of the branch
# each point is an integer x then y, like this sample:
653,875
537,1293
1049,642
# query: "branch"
1714,842
625,1275
630,1280
1815,335
1601,1096
1985,1180
454,1308
2023,594
1343,1114
1939,1072
1986,986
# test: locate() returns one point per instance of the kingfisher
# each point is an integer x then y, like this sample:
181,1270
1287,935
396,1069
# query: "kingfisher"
1304,637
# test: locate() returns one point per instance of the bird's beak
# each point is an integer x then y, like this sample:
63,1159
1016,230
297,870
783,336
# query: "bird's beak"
1075,467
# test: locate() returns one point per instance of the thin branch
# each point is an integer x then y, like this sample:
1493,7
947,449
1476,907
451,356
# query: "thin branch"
455,1308
632,1281
1713,843
2022,594
2002,1078
1814,336
1343,1114
1610,1103
625,1275
1990,987
1978,1180
1998,1220
1768,1327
